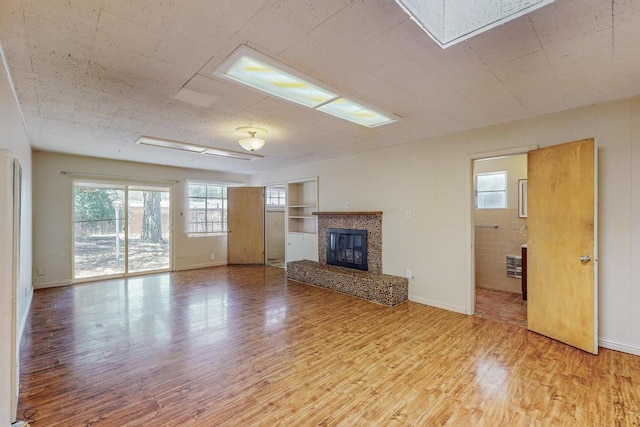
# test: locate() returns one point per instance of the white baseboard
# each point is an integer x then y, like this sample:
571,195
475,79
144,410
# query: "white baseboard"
46,285
196,266
618,346
437,304
23,321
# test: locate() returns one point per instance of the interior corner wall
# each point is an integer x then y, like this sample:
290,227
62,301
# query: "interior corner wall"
14,139
432,179
52,208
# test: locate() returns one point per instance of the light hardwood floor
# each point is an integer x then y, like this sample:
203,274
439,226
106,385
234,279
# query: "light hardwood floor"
241,346
503,306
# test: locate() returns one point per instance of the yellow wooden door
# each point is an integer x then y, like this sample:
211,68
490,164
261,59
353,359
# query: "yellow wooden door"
562,251
245,218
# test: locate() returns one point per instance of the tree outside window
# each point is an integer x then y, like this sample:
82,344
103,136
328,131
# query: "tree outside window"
207,208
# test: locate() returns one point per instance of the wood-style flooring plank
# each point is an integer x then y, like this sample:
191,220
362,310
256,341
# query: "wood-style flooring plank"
242,346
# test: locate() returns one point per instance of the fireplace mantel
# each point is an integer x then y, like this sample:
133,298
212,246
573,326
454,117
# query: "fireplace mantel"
373,213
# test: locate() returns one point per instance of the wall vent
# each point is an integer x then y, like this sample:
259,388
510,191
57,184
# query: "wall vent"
514,266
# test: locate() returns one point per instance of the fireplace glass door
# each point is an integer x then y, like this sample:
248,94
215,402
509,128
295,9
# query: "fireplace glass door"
347,248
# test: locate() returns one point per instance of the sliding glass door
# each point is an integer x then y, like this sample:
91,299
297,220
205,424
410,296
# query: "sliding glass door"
148,236
120,229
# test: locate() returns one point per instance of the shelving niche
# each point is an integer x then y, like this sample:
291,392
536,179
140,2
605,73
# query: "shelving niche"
302,197
302,225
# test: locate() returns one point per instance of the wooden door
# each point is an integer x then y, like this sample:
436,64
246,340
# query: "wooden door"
245,218
562,251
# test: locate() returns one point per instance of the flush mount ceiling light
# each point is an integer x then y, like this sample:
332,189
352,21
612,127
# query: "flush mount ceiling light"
451,21
251,143
194,148
252,68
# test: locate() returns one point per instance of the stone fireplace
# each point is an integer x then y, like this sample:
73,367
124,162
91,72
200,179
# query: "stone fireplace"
370,283
369,221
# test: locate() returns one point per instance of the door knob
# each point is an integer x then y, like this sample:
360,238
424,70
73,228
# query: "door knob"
585,258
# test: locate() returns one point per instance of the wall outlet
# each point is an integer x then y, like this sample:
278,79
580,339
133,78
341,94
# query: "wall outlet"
409,275
213,256
346,205
407,214
40,272
515,225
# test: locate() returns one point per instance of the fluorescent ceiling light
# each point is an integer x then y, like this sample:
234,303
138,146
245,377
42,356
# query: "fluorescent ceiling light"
254,69
195,148
451,21
354,112
261,76
167,143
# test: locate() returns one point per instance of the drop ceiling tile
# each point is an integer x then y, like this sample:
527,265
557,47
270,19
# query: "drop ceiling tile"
585,75
13,34
195,98
514,39
492,96
52,23
532,81
338,46
154,16
453,63
408,75
563,21
122,45
625,10
278,25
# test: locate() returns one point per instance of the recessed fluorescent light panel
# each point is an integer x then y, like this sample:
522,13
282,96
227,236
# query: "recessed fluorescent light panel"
252,68
354,112
451,21
194,148
259,75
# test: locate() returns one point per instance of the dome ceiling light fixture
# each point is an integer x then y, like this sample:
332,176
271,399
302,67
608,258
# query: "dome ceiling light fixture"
252,142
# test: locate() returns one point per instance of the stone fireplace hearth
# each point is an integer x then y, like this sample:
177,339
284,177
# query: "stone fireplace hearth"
371,285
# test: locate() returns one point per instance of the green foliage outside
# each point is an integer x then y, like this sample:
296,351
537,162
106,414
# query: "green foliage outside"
95,204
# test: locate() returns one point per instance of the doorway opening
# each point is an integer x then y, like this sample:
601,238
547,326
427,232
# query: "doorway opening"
500,236
275,203
120,229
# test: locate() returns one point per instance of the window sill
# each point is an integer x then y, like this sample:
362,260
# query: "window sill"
196,235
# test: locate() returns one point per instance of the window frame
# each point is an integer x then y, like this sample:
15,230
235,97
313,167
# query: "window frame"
478,191
189,224
282,195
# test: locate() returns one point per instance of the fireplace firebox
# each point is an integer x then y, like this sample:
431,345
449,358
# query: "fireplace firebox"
347,248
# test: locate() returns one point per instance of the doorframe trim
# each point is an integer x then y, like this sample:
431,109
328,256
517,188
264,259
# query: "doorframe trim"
470,295
596,245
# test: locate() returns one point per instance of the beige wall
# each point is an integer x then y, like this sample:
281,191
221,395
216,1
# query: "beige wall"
432,178
52,211
14,138
493,245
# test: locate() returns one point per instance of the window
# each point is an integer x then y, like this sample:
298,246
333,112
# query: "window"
207,208
276,197
491,190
